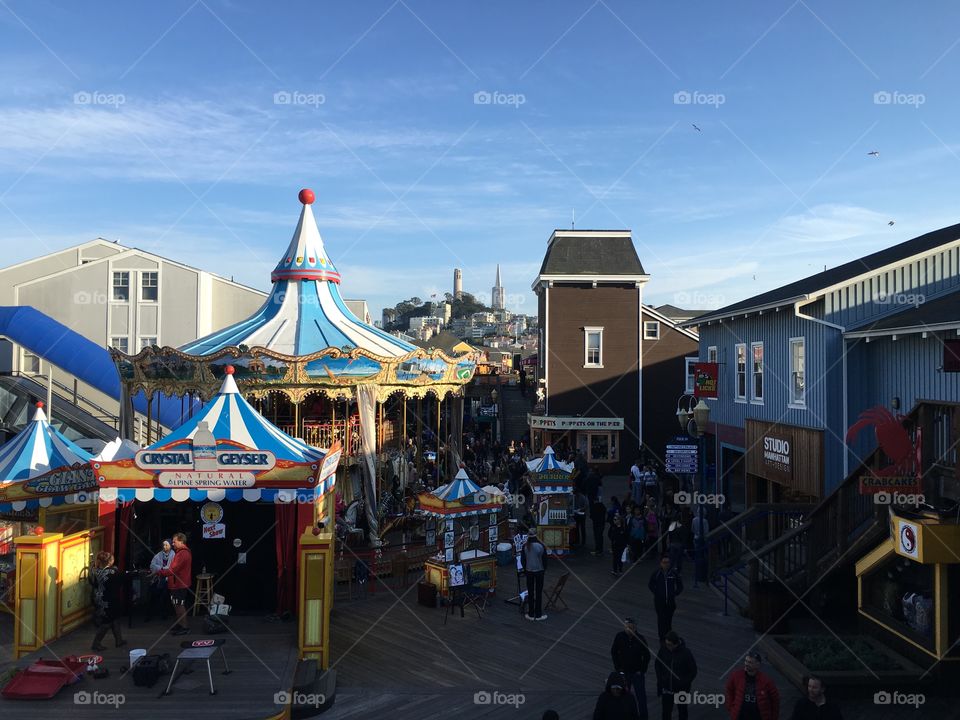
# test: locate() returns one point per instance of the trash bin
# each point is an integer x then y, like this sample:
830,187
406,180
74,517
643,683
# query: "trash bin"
504,553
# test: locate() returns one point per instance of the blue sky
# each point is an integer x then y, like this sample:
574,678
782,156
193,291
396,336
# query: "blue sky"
165,126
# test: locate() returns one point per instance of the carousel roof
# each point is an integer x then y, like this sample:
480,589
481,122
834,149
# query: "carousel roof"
548,462
40,467
38,449
460,487
231,418
304,312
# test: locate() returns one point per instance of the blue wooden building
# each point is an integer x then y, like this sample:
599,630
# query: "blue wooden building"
800,363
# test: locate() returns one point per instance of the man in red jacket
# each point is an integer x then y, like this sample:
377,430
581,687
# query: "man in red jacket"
180,579
751,694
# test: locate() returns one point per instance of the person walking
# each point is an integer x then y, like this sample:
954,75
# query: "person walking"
815,705
677,539
636,532
580,507
751,694
631,656
676,670
651,485
598,515
159,594
179,581
614,703
665,584
636,482
618,543
107,600
653,525
534,561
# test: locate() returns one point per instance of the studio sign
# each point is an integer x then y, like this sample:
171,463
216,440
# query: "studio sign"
776,453
256,460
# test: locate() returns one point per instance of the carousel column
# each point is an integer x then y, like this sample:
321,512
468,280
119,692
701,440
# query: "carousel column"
37,592
315,581
439,476
419,438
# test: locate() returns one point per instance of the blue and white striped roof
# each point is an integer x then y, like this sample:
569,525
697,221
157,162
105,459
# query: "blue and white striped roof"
304,312
548,462
460,487
38,449
230,417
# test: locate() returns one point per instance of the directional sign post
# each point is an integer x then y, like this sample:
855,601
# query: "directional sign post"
682,455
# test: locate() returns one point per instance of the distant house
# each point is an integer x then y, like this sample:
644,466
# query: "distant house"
798,364
611,368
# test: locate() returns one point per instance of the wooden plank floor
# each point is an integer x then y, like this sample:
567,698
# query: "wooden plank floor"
396,659
261,655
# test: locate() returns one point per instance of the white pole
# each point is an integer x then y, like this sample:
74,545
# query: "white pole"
50,391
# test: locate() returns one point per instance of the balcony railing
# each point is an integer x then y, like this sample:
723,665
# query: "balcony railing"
323,435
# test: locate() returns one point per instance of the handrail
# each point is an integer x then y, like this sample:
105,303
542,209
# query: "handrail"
34,377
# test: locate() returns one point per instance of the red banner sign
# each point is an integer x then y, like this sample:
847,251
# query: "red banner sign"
705,379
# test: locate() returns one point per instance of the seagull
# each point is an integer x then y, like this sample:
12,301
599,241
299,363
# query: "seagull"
696,128
874,153
891,223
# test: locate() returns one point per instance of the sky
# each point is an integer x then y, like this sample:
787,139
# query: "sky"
731,138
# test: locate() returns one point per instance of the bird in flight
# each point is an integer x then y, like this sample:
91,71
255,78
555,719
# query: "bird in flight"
891,223
696,128
874,153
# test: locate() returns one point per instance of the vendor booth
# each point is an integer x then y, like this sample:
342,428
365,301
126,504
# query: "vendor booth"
462,520
910,584
48,505
552,483
242,491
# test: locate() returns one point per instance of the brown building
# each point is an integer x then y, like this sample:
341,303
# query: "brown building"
611,368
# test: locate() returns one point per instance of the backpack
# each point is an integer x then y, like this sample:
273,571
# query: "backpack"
149,668
215,624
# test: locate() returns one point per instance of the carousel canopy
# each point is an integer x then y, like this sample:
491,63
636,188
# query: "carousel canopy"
459,498
40,467
304,312
548,463
287,466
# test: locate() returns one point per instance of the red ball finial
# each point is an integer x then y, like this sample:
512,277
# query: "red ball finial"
229,370
306,196
39,403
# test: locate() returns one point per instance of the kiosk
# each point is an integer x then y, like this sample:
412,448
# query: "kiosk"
552,483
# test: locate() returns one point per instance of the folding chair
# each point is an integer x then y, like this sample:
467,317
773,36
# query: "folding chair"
553,596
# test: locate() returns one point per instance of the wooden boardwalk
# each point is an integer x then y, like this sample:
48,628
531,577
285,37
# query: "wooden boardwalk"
262,657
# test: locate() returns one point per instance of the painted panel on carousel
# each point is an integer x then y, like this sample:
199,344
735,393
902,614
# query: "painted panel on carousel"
332,368
262,368
416,368
168,367
465,369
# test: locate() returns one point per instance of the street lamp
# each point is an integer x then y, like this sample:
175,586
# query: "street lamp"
696,417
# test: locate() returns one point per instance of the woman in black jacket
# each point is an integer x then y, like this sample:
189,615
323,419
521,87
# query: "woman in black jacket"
614,703
107,600
676,670
618,541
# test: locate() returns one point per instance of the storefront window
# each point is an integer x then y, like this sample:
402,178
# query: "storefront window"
599,447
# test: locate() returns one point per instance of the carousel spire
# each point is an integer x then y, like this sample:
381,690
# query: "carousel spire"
306,258
40,415
229,386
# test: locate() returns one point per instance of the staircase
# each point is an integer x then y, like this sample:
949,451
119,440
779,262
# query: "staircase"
514,409
841,528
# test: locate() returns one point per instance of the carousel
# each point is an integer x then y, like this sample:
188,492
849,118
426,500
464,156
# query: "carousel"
552,483
462,520
321,374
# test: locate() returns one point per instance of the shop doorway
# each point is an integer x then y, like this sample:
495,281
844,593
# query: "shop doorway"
248,583
733,479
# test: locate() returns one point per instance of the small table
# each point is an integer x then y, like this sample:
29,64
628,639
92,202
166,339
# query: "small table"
198,651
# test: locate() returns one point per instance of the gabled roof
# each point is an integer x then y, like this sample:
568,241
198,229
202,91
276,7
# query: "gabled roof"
814,284
443,341
669,322
591,252
940,314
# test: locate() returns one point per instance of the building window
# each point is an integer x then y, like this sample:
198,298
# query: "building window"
797,371
741,372
120,343
593,347
148,286
599,447
756,372
146,342
651,330
712,354
689,363
30,363
121,286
